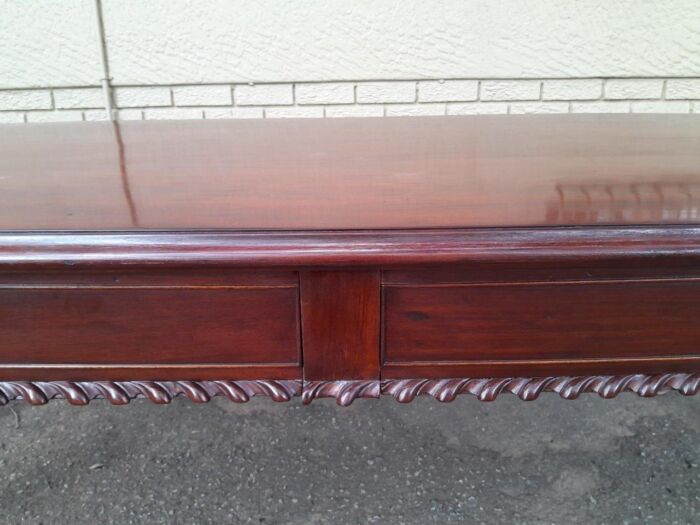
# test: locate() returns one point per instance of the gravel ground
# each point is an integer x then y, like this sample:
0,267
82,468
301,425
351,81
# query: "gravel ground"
627,460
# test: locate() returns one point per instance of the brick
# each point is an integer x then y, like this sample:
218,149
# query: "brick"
478,108
11,117
448,90
415,110
202,96
325,93
295,112
25,99
94,115
263,95
578,89
510,90
173,114
129,114
78,98
633,88
521,108
600,107
661,106
386,92
54,116
142,97
354,111
683,88
217,113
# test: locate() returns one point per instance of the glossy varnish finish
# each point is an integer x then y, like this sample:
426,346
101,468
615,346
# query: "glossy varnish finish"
432,256
352,174
340,320
565,320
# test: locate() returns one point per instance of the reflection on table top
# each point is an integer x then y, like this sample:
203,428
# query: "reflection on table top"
428,172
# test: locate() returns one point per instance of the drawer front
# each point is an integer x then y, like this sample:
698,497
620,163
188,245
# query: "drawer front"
169,324
558,320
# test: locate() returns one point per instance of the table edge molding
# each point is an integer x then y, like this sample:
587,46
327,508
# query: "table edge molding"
378,248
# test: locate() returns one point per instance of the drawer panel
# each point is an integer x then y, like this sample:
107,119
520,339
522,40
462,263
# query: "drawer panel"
559,320
149,324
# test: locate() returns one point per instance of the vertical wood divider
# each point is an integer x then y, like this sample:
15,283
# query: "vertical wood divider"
340,319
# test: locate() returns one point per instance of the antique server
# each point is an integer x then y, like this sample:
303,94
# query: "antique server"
353,258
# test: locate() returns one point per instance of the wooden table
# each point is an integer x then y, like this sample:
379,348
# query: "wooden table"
350,258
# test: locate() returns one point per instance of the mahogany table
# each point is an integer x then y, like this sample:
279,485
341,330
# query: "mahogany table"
350,258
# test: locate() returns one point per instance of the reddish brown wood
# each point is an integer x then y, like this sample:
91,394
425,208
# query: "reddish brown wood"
508,247
574,320
541,367
658,246
147,372
142,324
151,278
344,392
340,325
403,390
352,174
529,388
578,269
161,392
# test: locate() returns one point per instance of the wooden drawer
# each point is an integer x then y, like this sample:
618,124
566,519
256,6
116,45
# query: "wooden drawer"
564,320
147,318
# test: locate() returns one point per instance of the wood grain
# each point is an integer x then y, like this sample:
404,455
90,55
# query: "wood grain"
542,320
310,174
340,325
141,325
504,247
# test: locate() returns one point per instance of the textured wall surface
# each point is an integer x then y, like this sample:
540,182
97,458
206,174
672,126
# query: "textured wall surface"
275,58
48,43
184,41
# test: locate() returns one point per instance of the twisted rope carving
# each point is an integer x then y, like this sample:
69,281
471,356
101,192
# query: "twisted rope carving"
528,389
344,392
161,392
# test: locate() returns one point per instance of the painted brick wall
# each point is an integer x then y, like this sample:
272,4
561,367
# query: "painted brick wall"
173,59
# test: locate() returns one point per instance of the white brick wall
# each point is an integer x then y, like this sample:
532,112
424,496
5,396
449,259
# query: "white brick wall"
130,97
267,95
325,93
414,110
485,108
355,111
280,59
567,89
25,99
202,96
510,90
683,88
356,99
78,98
294,112
448,90
218,113
386,92
634,88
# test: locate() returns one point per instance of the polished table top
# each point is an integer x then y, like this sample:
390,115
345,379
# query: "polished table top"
352,174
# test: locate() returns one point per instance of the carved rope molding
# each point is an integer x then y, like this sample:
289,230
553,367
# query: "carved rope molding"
528,389
161,392
345,392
